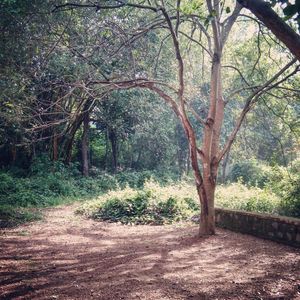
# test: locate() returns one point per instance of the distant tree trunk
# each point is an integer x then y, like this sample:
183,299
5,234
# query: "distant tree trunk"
70,141
224,167
180,149
13,153
114,149
69,148
55,147
188,163
106,149
70,135
85,144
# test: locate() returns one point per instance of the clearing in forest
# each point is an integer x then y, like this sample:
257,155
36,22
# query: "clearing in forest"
68,257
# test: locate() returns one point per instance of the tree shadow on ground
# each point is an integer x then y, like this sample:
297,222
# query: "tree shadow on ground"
123,262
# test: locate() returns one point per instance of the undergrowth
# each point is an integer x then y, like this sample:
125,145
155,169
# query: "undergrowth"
138,197
48,184
154,204
239,196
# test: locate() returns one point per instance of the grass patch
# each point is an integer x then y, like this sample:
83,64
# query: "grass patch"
13,216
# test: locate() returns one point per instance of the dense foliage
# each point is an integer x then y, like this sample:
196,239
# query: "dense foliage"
74,124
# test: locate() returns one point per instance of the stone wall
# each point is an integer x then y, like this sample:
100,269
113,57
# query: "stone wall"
281,229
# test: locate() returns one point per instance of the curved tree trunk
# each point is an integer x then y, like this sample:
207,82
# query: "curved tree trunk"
69,140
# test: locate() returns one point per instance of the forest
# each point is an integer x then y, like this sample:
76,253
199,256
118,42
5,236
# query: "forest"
99,96
126,125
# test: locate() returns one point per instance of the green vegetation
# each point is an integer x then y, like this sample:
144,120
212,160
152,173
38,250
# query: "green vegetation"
11,216
241,197
113,97
157,204
143,197
52,183
153,204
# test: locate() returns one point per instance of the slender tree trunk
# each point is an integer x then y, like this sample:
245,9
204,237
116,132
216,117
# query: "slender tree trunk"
68,151
114,149
85,145
209,151
224,167
55,147
13,153
69,137
188,163
69,142
106,149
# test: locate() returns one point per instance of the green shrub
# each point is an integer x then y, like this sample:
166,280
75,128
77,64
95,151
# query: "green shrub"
285,182
239,196
154,204
138,179
124,210
7,185
251,172
11,216
95,185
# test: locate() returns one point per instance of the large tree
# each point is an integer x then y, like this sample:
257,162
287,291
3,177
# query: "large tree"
171,19
182,52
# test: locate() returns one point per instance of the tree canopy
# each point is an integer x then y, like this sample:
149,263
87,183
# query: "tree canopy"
150,85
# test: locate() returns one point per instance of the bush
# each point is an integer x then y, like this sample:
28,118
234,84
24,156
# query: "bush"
251,172
282,181
11,216
7,185
285,182
86,186
239,196
154,204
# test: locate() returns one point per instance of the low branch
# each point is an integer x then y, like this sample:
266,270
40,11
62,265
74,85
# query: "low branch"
97,6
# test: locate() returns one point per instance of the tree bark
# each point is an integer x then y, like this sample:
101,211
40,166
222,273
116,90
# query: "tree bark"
280,29
85,144
114,150
55,147
69,140
13,153
224,167
207,215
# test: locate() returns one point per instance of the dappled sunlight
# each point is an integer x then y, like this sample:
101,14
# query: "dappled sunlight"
92,259
131,132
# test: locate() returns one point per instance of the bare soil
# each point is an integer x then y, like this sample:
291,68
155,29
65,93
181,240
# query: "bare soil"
68,257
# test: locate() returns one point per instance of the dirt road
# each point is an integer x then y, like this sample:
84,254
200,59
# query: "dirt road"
68,257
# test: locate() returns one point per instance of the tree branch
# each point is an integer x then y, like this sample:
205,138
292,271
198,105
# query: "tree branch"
280,29
251,101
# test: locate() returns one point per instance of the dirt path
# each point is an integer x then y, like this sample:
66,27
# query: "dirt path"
67,257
